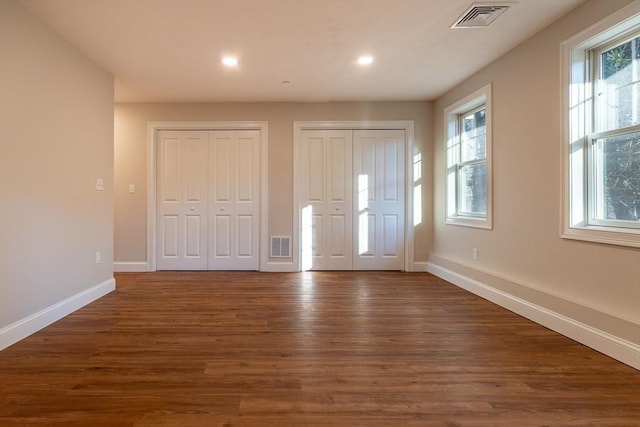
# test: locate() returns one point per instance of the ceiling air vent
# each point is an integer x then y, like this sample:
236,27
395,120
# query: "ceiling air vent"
480,15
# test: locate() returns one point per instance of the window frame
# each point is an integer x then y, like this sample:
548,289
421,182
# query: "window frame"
453,116
578,81
593,186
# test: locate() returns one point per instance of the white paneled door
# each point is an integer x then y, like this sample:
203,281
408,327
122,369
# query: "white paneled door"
326,189
182,200
208,200
352,195
234,177
379,174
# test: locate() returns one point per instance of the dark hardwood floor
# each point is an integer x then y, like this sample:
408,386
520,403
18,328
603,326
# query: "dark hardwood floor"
361,348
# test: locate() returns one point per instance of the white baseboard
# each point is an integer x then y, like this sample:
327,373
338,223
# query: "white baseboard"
283,267
130,267
420,266
21,329
289,267
615,347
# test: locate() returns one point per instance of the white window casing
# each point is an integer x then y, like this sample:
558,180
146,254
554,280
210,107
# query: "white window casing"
584,132
456,213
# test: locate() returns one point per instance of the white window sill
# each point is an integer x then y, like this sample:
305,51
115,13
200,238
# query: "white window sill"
472,222
627,237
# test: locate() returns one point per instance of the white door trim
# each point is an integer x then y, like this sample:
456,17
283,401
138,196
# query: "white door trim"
152,131
407,126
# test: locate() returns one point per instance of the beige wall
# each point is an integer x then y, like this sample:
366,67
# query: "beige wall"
524,254
131,157
56,138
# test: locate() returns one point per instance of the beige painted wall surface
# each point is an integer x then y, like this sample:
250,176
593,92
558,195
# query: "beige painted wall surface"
131,157
525,245
56,138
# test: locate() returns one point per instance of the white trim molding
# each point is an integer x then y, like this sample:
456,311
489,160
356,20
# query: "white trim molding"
420,266
452,138
21,329
410,150
281,267
605,342
130,267
152,131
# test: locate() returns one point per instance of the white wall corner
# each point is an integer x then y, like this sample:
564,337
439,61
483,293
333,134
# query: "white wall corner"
130,267
21,329
604,342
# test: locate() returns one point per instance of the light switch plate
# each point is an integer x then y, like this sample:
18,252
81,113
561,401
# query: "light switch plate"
132,188
99,184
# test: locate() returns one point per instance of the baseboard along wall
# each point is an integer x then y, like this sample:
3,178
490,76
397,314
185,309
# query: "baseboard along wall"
605,342
21,329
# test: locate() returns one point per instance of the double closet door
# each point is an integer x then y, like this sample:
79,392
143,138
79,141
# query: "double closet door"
208,200
352,194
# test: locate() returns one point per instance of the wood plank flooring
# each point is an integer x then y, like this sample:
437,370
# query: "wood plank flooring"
322,348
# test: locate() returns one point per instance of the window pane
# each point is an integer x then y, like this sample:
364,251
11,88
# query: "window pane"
618,178
473,189
473,135
619,86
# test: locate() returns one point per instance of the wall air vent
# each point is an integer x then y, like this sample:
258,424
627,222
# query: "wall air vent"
480,15
280,246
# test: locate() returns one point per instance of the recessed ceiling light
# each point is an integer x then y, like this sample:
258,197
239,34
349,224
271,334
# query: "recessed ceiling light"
230,61
365,60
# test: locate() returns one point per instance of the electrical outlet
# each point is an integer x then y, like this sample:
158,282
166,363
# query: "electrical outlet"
475,253
132,188
99,184
98,257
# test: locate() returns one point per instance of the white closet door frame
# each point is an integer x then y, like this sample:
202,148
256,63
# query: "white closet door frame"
152,149
407,126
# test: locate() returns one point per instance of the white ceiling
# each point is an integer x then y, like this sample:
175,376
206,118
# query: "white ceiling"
170,50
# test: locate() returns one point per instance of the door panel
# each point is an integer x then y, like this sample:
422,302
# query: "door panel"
326,187
246,171
317,243
222,157
337,229
312,196
170,238
245,236
182,200
222,233
338,216
193,234
379,173
390,235
235,206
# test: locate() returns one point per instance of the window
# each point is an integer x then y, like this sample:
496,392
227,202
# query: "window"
614,152
601,147
468,127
